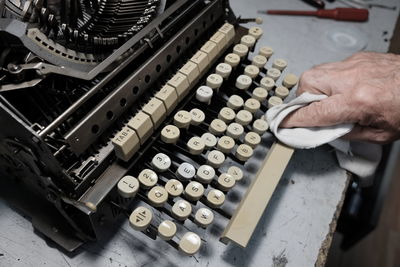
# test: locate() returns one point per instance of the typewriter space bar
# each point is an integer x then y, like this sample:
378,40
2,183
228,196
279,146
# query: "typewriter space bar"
252,206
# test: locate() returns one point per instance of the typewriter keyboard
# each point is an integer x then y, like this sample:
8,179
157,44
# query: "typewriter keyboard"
207,121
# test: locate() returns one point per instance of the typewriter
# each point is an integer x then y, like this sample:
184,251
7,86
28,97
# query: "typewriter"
146,109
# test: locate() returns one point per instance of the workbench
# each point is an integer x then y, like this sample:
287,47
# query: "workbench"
298,225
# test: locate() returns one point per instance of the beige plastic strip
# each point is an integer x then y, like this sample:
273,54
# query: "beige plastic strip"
245,219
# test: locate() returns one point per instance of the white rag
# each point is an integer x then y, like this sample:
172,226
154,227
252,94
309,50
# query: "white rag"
360,158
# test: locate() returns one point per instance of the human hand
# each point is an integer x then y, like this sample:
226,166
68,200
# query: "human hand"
363,89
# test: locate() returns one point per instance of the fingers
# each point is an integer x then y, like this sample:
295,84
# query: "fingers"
370,134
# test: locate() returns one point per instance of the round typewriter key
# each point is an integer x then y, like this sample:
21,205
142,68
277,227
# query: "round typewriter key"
243,82
147,178
290,81
244,152
209,140
252,105
273,73
167,230
256,32
195,145
260,94
215,158
251,71
128,186
215,198
248,40
244,117
190,243
182,119
214,81
161,162
158,195
223,69
140,218
266,51
217,127
204,217
194,190
274,101
185,171
205,174
226,182
226,114
232,59
260,126
170,134
235,102
241,50
198,116
267,83
174,187
204,94
235,130
279,64
281,92
236,173
226,144
259,61
252,139
181,209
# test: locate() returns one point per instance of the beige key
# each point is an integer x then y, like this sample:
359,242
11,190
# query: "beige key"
204,94
181,84
267,83
243,82
190,243
273,73
232,59
252,139
260,126
220,39
147,178
260,94
244,117
182,119
209,140
161,162
235,102
198,116
158,195
224,70
281,92
204,217
235,130
181,210
244,152
156,110
191,71
215,158
266,51
290,81
215,198
167,230
235,172
229,30
185,171
217,127
252,105
126,143
201,59
170,134
142,125
211,49
140,218
251,71
128,186
174,187
248,40
214,81
226,182
226,114
279,64
241,50
169,97
205,174
226,144
195,145
274,101
256,32
194,191
259,61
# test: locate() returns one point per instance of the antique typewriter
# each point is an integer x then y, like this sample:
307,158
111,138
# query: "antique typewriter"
148,109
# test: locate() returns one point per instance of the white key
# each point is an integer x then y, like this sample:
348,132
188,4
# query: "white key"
235,130
185,171
204,94
169,97
219,39
248,40
266,51
232,59
147,178
226,114
243,82
217,127
251,71
211,49
140,218
204,217
215,198
241,50
181,84
235,172
190,243
226,144
256,32
205,174
170,134
182,119
226,182
201,59
128,186
260,126
126,143
209,140
290,81
214,81
161,162
260,94
252,105
156,110
195,145
167,230
174,187
273,73
235,102
281,92
229,30
224,70
198,116
244,152
181,209
143,126
194,190
191,71
252,139
274,101
244,117
157,196
259,61
279,64
215,158
267,83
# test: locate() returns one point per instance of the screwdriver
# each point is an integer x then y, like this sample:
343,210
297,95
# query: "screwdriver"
343,14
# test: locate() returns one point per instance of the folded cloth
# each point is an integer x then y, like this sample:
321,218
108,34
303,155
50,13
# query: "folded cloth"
360,158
